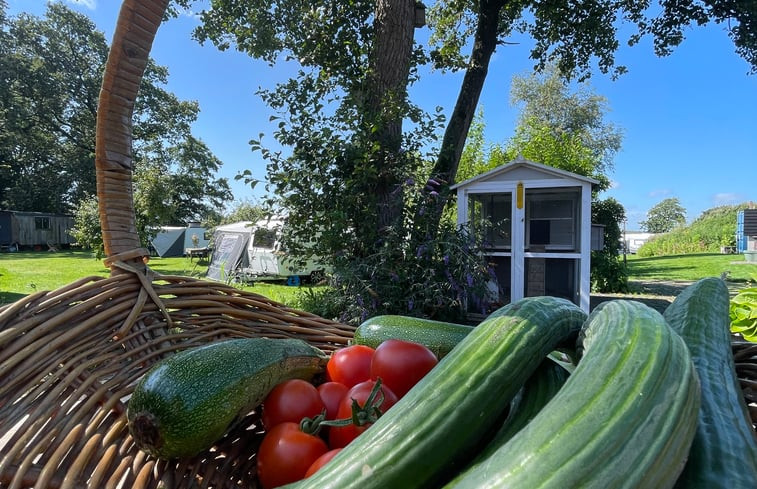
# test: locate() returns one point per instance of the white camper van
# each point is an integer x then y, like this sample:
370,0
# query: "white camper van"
246,251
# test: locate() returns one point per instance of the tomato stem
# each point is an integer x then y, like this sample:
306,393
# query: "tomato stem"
361,415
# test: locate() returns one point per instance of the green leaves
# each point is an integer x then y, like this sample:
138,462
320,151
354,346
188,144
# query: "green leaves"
50,78
743,312
665,216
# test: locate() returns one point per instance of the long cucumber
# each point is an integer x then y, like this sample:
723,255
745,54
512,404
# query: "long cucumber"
724,452
624,419
436,427
539,389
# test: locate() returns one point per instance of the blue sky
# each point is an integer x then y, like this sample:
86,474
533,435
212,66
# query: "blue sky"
689,120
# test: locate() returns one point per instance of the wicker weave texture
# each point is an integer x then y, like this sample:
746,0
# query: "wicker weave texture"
69,360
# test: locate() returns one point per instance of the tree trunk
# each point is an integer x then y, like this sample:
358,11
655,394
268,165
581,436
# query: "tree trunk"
138,21
387,95
445,168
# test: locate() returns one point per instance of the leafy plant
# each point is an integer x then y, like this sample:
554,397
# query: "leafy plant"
743,313
608,273
440,278
665,216
87,230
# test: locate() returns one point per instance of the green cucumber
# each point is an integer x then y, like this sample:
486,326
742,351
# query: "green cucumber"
438,336
189,400
437,426
624,419
538,390
724,451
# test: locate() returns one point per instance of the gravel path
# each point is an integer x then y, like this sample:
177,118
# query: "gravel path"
657,294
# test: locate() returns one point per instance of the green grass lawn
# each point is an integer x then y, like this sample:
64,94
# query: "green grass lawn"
24,273
691,267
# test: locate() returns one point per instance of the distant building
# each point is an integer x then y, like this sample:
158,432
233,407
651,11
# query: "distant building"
633,240
34,229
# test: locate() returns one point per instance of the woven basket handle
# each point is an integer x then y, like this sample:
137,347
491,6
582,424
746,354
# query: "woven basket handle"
138,21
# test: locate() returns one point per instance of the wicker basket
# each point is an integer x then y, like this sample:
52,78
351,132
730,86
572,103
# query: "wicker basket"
70,358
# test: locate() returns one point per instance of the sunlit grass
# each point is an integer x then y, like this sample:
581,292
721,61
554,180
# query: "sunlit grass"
691,267
24,273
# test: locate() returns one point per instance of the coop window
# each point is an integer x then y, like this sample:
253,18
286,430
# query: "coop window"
493,213
552,220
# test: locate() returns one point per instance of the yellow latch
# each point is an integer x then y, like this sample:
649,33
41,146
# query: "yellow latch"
519,196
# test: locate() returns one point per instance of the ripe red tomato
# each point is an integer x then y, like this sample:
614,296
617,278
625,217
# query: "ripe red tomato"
350,365
401,364
291,400
331,394
286,453
340,436
321,461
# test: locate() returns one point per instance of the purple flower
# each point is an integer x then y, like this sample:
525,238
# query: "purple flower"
410,305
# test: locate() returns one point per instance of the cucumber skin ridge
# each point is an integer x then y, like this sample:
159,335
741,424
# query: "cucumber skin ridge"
635,387
438,425
723,454
192,398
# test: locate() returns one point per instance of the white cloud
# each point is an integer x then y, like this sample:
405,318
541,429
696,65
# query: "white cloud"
726,198
90,4
187,12
659,192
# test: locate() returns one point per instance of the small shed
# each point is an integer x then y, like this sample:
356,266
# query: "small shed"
538,229
34,229
746,234
746,230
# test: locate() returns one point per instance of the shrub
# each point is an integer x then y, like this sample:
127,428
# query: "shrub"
436,279
608,273
86,230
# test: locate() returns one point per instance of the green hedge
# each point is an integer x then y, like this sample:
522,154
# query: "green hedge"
712,230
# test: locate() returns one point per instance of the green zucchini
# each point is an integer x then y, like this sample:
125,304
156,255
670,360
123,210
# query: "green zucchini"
624,419
438,336
439,423
724,451
189,400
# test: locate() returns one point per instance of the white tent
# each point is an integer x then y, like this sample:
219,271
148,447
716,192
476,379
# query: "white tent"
174,240
230,243
245,250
